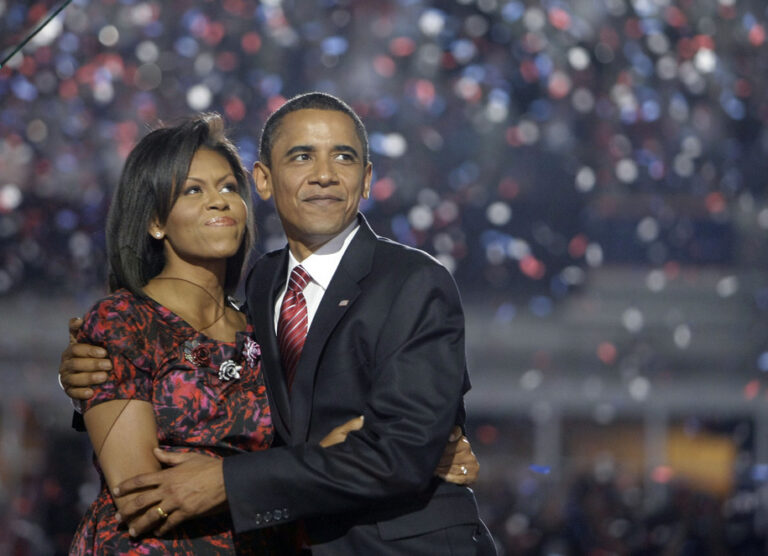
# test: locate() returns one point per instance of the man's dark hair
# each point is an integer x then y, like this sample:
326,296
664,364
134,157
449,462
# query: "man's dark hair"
314,101
150,183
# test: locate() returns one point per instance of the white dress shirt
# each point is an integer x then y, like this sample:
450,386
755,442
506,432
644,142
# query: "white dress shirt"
321,266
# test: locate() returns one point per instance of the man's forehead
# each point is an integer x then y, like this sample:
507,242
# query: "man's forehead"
311,123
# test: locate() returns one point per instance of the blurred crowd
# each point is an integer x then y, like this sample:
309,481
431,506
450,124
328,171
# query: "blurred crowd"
517,141
599,514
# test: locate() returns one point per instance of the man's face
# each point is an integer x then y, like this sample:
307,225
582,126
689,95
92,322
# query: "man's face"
317,177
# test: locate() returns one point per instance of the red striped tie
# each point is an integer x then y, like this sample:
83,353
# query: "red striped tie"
292,326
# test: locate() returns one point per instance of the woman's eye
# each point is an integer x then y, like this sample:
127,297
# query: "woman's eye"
192,189
230,188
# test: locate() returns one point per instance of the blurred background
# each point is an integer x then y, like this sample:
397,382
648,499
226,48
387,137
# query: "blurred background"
593,172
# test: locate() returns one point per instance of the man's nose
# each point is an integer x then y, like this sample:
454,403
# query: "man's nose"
325,172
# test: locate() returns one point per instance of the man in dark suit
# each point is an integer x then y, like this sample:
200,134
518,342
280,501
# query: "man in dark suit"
382,336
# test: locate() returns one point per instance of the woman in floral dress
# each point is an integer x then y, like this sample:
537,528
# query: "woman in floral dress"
186,366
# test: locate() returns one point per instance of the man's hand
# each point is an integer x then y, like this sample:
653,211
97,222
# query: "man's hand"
82,365
192,486
458,463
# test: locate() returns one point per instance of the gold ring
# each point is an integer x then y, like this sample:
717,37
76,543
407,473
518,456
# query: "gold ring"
162,513
463,468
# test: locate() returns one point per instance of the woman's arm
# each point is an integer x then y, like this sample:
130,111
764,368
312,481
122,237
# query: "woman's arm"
123,434
458,463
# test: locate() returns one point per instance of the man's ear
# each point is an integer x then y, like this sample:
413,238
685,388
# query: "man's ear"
367,180
262,179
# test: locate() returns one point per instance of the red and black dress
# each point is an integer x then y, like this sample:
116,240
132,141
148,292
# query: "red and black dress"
208,397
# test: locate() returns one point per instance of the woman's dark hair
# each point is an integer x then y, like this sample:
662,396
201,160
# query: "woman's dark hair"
148,188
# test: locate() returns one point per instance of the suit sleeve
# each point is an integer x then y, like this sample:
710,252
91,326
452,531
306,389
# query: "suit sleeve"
418,378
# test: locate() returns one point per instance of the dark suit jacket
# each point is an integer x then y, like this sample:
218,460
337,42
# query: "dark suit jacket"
387,342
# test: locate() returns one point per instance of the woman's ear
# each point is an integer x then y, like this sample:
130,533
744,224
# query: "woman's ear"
156,231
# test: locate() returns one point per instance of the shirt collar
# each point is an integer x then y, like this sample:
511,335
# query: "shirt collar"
322,264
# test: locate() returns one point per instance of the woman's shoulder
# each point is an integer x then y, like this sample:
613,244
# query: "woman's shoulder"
118,299
121,309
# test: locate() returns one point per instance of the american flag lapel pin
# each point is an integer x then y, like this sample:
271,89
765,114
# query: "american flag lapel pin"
343,302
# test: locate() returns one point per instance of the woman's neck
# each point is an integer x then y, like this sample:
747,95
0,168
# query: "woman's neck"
194,293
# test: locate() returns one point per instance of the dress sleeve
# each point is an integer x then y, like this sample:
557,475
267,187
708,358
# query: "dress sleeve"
115,325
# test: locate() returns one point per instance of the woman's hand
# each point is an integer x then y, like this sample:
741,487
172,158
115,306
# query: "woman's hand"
339,434
458,463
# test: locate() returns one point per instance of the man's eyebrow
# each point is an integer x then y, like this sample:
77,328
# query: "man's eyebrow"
300,149
346,149
310,149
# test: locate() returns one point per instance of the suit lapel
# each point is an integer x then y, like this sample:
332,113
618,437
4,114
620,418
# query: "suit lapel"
341,294
264,284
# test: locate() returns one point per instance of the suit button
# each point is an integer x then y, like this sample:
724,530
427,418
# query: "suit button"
267,517
278,515
286,515
257,519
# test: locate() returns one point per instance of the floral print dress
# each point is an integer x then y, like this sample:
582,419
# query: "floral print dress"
208,397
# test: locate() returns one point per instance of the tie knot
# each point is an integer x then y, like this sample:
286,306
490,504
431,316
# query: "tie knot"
299,279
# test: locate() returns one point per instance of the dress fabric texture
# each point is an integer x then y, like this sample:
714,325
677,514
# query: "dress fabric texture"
159,358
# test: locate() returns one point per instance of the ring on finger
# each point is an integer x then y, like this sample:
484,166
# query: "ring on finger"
464,469
162,513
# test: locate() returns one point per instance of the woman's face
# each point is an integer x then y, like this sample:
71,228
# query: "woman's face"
207,221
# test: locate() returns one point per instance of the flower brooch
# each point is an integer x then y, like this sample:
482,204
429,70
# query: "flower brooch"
200,356
229,370
251,351
197,354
